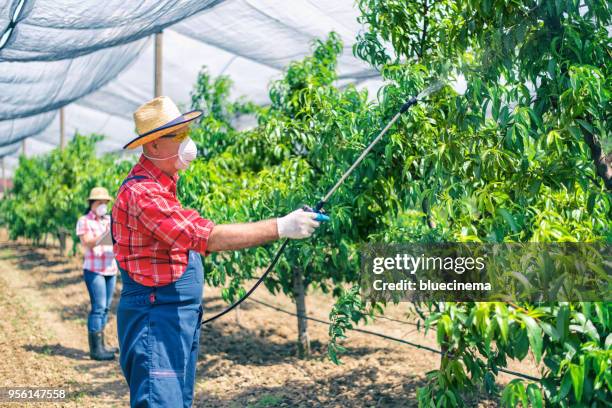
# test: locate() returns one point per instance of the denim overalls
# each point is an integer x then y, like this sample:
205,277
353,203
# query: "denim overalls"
159,336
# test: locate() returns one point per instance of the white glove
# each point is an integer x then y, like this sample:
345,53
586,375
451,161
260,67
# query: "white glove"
297,224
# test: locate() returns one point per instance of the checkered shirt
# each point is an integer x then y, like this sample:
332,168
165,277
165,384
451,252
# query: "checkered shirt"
100,258
153,232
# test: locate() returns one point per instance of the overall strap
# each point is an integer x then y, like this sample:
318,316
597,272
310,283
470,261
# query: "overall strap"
122,184
132,178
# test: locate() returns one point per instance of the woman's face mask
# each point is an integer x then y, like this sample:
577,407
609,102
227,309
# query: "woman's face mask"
187,153
101,210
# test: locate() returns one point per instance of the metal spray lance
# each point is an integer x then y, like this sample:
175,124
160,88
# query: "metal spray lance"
318,208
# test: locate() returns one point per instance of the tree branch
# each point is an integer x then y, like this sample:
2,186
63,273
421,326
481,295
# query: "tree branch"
425,24
603,163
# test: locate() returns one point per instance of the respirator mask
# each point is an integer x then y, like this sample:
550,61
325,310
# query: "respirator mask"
101,210
187,153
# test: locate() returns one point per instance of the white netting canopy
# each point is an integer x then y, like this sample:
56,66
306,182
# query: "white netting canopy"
96,59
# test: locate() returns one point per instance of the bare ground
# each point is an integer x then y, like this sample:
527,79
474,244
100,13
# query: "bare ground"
246,358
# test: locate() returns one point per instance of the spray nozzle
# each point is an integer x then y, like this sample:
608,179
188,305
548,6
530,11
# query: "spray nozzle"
408,104
436,86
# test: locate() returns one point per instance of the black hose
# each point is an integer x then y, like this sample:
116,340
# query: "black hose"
261,279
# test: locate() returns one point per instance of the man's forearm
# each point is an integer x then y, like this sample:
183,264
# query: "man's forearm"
237,236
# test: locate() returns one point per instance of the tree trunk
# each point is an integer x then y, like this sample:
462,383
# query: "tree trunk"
61,235
427,211
303,344
237,314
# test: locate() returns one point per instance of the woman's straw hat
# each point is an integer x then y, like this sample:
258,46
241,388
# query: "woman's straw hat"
99,193
157,118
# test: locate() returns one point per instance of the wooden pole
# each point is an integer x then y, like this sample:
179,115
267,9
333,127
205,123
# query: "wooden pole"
23,147
4,183
158,64
62,129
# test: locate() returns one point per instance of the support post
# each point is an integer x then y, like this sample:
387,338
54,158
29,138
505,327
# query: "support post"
23,147
158,64
4,183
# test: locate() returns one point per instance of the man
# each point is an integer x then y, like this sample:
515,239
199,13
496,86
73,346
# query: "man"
156,244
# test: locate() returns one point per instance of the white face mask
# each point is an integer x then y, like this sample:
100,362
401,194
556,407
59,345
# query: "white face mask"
187,153
101,210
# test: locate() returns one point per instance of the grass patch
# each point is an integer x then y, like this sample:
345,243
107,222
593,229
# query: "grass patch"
269,400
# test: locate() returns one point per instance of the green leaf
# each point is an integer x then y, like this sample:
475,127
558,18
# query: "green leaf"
534,333
550,331
551,67
535,396
591,203
591,331
566,386
577,374
509,219
585,125
563,322
502,322
521,345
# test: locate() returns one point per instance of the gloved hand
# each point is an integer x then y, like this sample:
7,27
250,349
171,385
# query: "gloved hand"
297,224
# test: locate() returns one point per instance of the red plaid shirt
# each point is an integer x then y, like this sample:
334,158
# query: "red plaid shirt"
153,233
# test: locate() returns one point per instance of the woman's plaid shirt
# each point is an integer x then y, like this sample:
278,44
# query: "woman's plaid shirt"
99,258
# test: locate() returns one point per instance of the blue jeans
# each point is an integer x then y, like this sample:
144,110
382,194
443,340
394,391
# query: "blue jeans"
100,288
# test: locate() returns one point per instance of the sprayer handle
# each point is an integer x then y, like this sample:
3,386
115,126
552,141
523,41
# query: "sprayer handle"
320,216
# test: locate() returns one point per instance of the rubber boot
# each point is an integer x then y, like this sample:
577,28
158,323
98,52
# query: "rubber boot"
96,351
108,349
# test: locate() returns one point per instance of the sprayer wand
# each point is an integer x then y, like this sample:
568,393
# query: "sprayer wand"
364,153
319,206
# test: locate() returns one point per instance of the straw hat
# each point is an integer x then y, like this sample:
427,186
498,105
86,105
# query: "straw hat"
99,193
157,118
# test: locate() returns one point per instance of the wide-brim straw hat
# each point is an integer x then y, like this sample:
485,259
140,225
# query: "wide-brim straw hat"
99,193
157,118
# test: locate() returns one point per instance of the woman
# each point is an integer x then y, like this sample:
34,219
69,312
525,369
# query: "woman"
99,270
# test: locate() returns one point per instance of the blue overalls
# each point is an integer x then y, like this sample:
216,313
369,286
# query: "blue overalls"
159,336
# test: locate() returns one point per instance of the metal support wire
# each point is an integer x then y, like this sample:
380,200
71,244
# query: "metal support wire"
386,337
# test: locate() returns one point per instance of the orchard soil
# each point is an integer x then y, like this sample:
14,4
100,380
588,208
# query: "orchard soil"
247,359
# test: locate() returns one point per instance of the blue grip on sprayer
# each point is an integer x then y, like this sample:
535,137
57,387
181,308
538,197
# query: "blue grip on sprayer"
320,216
